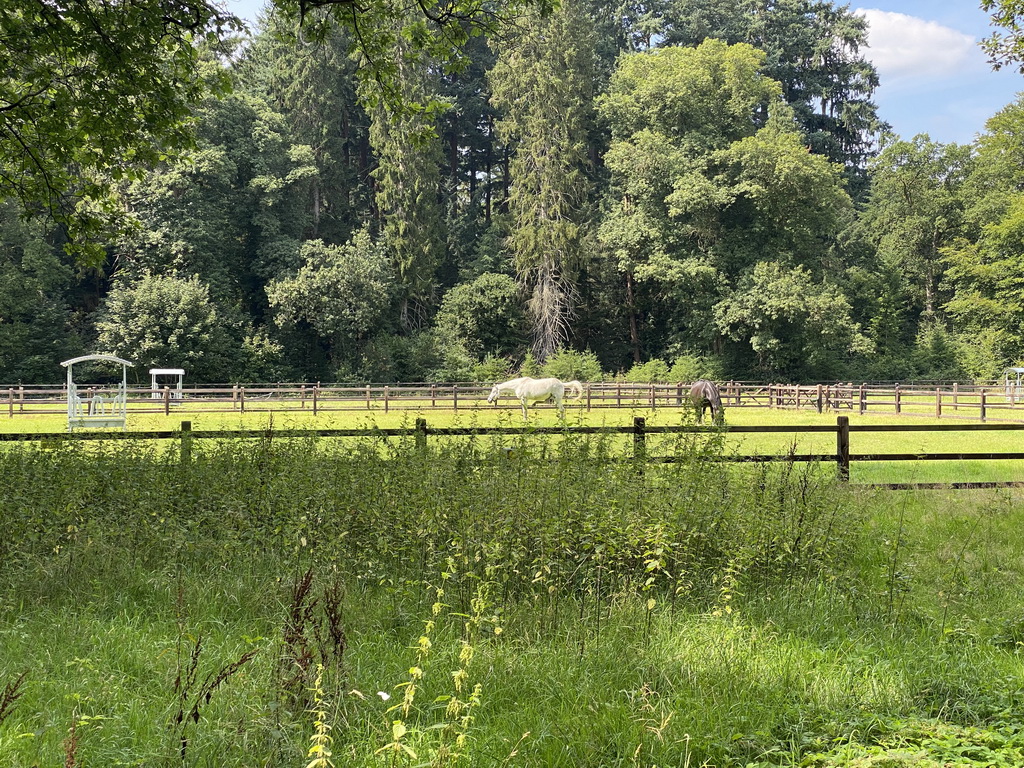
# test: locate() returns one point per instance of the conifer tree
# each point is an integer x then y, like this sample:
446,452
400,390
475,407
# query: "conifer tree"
542,83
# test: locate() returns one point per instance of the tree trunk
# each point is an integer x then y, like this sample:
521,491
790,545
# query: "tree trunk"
634,332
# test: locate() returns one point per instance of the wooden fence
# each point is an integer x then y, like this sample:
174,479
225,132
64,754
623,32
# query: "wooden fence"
979,402
640,430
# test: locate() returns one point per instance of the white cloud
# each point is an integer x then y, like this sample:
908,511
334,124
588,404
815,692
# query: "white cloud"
906,47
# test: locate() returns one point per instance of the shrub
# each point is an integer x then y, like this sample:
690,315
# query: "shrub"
493,368
568,364
649,372
691,366
530,366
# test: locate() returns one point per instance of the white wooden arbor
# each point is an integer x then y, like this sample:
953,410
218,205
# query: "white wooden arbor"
1013,383
156,373
97,410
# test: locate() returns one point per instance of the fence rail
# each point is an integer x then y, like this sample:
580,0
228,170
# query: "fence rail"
639,430
982,402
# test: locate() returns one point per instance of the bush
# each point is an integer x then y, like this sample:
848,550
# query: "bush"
530,366
568,364
655,370
691,366
493,368
389,357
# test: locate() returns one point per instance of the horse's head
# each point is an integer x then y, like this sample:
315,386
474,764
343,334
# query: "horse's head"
495,392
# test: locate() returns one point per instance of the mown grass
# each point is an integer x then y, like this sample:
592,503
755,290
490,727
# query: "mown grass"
678,615
774,443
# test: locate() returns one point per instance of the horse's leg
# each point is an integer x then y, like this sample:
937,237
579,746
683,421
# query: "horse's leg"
522,402
561,408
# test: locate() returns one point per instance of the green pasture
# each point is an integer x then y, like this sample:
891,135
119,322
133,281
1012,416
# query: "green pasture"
483,415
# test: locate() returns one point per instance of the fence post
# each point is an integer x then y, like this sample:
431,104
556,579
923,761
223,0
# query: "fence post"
386,392
234,396
679,393
639,438
21,399
433,396
819,402
367,397
421,434
316,393
898,404
938,403
241,399
302,397
10,402
983,414
862,401
956,391
588,397
843,447
186,443
167,401
455,397
654,402
618,395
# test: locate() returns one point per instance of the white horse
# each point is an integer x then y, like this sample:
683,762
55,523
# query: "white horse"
530,391
505,388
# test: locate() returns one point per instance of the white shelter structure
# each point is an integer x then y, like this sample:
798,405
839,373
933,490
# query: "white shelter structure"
155,387
1013,383
97,409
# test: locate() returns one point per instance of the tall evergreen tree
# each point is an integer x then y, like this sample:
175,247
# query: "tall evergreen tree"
313,84
541,83
408,184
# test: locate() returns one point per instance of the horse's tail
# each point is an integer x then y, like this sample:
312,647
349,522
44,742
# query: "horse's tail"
575,387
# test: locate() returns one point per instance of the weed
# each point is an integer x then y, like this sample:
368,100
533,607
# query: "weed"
313,638
192,694
320,747
11,693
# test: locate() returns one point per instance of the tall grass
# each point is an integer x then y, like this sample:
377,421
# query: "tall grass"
530,602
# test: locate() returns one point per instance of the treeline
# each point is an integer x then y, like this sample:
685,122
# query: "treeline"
701,189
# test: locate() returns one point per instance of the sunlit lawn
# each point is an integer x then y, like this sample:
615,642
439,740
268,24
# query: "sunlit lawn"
479,414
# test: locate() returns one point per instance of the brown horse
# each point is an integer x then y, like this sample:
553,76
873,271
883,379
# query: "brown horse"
704,395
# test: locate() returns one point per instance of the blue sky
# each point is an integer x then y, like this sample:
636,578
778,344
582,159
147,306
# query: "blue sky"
935,79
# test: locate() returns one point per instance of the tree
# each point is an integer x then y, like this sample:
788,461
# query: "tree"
987,280
233,210
708,172
430,33
485,316
914,210
166,321
813,49
1005,49
408,182
341,292
93,91
541,85
313,86
794,326
36,321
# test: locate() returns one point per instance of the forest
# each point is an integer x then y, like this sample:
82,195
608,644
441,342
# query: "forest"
654,191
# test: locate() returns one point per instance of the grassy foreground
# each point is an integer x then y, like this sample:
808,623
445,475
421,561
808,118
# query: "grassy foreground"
293,603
